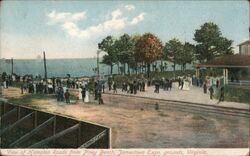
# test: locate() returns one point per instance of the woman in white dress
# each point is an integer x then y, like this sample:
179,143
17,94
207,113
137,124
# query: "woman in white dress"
146,85
80,93
4,84
86,99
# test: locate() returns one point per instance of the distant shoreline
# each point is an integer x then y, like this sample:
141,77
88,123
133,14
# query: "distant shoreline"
3,59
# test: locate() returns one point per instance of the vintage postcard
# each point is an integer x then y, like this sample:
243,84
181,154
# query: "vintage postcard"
134,78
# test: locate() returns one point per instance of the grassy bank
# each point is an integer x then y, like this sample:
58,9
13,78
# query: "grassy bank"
17,84
28,98
236,94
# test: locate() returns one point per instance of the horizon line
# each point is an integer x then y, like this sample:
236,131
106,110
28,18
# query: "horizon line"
46,58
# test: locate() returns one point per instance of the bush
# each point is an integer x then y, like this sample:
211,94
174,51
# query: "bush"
17,84
119,79
171,74
237,94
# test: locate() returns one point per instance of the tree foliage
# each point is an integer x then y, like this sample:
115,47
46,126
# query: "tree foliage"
107,45
178,53
173,51
211,43
141,51
148,49
124,48
187,54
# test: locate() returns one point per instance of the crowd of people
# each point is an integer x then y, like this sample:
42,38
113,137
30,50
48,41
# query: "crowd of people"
61,87
7,80
133,86
213,87
141,85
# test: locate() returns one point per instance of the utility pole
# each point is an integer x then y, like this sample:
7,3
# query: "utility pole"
12,66
249,17
97,59
45,73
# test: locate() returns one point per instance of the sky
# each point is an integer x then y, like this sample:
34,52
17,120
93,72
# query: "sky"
73,29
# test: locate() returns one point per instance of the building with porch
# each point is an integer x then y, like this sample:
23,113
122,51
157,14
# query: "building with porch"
241,60
226,62
244,48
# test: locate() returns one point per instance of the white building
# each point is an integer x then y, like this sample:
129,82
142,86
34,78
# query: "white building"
244,48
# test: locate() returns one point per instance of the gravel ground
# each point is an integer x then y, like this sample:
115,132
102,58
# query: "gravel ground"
136,128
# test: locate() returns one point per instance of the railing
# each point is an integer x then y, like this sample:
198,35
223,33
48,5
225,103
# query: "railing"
23,127
240,83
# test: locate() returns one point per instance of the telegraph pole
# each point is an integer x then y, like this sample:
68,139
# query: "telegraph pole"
98,71
12,66
249,17
45,73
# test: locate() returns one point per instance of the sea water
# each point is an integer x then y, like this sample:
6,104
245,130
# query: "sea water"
61,67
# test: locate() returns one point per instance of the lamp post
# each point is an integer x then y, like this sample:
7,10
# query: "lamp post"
45,72
97,59
12,66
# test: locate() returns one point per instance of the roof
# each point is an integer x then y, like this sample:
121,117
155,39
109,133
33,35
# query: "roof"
236,61
243,43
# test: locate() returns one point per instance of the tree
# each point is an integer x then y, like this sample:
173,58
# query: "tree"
188,54
211,43
173,51
4,76
124,47
133,63
107,45
107,59
148,48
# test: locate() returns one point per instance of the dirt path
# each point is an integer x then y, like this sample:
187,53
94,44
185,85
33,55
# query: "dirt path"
136,128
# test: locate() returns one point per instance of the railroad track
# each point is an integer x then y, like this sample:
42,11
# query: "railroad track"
192,107
199,108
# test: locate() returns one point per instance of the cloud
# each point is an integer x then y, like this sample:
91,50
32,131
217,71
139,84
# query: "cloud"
71,28
59,17
116,13
137,19
117,21
129,7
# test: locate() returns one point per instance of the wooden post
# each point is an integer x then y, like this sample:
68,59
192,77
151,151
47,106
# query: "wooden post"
45,72
79,135
35,119
94,139
0,120
197,72
18,112
12,66
110,138
3,111
16,123
224,80
33,132
54,129
1,108
57,135
97,59
8,113
225,76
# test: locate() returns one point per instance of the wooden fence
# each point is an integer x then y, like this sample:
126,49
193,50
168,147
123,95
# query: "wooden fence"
24,127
